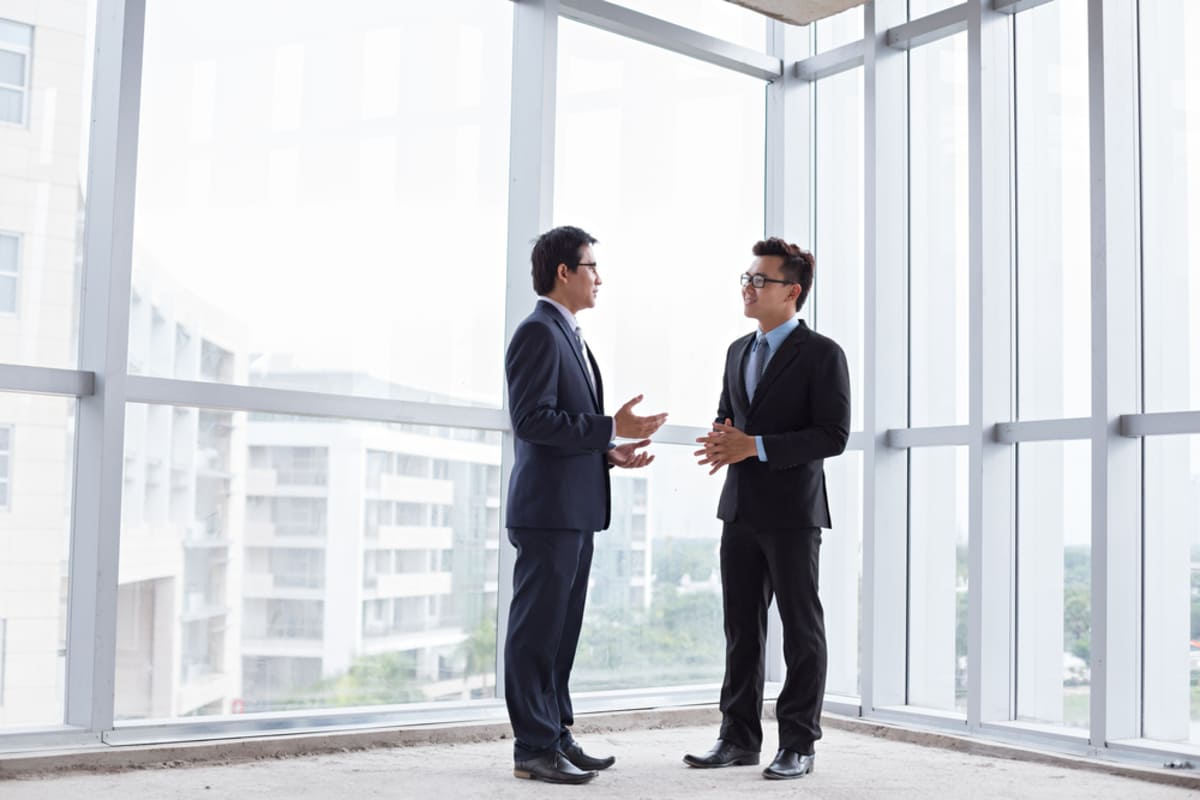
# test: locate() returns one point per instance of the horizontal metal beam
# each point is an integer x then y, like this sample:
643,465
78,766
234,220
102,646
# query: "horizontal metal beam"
1160,424
166,391
1047,430
669,36
939,436
46,380
831,62
1016,6
928,29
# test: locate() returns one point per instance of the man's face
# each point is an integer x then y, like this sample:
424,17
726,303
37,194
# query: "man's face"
773,300
582,285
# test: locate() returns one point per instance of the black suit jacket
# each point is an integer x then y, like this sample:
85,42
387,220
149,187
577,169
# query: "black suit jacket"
802,410
561,435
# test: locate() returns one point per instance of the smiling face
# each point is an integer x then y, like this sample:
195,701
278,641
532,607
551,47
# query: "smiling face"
773,304
577,289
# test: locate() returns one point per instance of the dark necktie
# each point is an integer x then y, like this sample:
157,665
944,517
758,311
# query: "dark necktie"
758,361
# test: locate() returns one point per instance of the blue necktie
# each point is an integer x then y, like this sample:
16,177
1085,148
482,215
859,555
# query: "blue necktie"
758,361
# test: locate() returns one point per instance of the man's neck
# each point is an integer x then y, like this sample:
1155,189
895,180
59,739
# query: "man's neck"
562,302
766,326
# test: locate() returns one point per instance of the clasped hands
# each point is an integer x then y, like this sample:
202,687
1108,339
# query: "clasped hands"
631,426
725,444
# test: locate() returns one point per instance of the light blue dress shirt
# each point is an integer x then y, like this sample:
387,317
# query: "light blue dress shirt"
775,340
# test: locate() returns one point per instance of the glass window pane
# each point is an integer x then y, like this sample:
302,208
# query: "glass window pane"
1054,580
718,18
841,574
12,68
15,33
8,294
654,605
35,527
40,177
1053,213
839,29
255,578
922,8
1171,689
938,232
1170,170
12,106
10,252
313,189
937,578
838,249
651,147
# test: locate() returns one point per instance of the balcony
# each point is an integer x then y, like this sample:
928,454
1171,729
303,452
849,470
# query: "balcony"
416,490
421,584
411,537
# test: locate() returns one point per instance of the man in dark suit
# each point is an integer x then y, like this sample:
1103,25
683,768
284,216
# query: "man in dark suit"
558,496
784,408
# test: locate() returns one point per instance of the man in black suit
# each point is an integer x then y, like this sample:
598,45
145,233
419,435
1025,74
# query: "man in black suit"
784,408
558,496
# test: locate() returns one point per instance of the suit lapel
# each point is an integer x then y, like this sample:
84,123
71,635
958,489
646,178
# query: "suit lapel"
779,363
739,377
573,346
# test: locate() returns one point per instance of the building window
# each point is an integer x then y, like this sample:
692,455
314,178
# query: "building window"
3,637
16,51
10,260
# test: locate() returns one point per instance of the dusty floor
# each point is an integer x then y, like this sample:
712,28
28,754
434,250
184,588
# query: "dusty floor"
849,765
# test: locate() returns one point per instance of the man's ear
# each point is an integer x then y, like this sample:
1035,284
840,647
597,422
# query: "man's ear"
563,269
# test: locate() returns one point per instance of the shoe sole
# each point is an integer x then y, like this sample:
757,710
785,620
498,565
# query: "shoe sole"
520,773
773,776
748,761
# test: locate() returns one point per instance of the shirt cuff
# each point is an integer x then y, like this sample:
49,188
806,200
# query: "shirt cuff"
612,437
762,451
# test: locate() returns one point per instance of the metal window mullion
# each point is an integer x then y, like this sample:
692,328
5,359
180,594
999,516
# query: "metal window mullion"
930,28
787,209
885,360
1162,423
1116,460
530,207
669,36
991,489
46,380
831,62
103,350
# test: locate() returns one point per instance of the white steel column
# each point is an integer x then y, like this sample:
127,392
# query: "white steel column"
885,360
530,205
991,469
103,348
1116,461
787,203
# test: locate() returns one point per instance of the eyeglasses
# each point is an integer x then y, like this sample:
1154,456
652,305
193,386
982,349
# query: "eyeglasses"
589,264
759,281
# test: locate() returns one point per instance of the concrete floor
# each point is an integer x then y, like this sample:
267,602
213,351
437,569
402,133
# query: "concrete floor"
849,765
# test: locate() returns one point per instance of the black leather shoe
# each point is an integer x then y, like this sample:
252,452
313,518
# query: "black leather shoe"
723,754
552,767
789,764
582,760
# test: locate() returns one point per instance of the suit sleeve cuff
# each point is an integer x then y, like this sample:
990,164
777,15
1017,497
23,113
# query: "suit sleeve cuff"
762,451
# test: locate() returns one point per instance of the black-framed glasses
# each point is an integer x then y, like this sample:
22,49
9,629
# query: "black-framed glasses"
589,264
759,281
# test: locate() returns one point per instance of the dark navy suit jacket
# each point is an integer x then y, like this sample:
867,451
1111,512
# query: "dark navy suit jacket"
801,408
560,474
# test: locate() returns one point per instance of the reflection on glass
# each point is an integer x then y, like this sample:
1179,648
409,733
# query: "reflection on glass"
937,578
1053,213
718,18
841,574
44,66
273,563
309,177
1170,172
654,604
1054,580
938,232
838,282
839,29
1171,690
37,444
661,158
